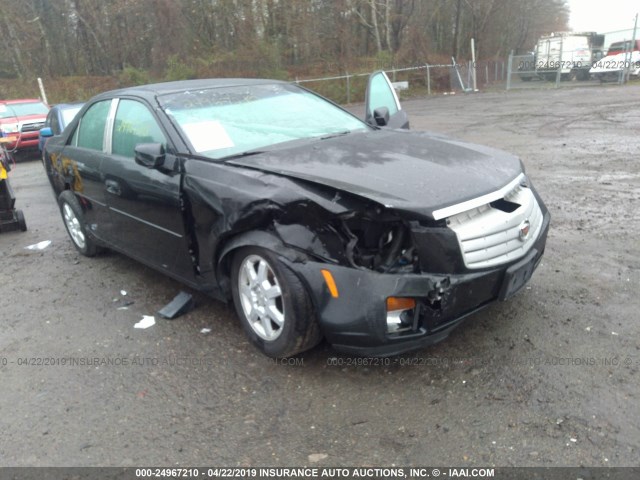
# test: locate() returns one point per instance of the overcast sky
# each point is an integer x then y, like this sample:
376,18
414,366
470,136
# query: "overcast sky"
604,16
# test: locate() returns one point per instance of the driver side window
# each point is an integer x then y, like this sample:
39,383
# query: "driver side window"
381,94
134,124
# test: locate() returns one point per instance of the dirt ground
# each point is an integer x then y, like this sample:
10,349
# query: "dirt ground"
547,378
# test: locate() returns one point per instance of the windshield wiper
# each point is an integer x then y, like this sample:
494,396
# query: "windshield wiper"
336,134
248,153
222,159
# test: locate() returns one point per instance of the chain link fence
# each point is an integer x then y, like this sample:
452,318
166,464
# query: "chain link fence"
518,71
428,79
525,71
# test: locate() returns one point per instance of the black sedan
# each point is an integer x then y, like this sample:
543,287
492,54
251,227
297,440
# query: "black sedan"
315,223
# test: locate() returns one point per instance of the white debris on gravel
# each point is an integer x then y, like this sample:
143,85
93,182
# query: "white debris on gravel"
146,322
316,457
39,246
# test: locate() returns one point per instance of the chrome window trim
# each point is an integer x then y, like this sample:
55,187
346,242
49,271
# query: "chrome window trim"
108,134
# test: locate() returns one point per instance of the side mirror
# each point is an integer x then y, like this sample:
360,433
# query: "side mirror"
382,106
381,116
150,155
46,132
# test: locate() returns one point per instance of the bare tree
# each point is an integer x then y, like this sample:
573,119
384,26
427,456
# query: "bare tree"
230,37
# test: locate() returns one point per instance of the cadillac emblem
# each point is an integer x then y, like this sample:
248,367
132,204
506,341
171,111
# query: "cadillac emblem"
525,228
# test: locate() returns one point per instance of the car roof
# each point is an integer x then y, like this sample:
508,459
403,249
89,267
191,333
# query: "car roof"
157,89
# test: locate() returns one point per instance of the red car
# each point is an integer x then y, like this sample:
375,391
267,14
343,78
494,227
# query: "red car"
21,120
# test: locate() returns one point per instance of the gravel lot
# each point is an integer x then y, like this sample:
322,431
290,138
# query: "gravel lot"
548,378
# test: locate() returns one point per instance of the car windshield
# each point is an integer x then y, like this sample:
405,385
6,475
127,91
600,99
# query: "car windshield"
68,114
21,109
620,47
222,122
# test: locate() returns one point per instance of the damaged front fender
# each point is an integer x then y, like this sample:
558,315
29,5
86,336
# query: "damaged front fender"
264,239
226,211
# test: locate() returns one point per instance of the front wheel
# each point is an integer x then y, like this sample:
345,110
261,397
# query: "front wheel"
274,307
74,223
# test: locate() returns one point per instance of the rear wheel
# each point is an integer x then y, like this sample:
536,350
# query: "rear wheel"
273,305
583,75
74,223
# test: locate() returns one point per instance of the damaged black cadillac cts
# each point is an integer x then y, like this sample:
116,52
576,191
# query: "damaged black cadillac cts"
314,223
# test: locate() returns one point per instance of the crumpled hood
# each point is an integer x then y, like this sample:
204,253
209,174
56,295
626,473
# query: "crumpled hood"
410,171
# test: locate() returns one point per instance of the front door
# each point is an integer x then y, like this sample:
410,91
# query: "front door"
144,203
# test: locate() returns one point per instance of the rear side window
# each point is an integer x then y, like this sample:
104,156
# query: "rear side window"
90,134
134,124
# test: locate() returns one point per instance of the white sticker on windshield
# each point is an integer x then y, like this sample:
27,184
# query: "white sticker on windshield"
3,109
206,136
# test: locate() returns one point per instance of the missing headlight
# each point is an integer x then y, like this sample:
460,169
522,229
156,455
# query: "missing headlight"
378,245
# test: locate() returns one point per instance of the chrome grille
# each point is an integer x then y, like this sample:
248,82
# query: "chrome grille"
489,236
31,127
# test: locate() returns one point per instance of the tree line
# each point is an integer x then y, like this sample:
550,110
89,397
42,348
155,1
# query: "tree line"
172,39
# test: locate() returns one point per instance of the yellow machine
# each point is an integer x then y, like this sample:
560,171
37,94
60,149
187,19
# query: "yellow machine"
10,218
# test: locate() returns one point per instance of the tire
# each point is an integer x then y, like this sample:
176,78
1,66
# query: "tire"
74,223
583,75
22,223
276,312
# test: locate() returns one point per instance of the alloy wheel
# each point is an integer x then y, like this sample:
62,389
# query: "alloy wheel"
73,226
261,297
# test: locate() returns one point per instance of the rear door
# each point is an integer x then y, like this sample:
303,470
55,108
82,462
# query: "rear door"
382,105
78,166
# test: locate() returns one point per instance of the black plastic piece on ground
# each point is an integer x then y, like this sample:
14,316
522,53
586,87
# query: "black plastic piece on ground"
10,218
181,304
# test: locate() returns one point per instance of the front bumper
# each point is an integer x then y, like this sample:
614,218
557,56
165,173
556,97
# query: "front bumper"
356,321
22,142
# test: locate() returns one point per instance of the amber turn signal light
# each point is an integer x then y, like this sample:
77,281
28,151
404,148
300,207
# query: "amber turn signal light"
331,283
400,303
